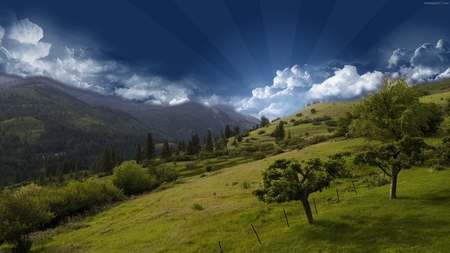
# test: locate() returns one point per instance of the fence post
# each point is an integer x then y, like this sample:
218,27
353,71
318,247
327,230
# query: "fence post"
256,234
285,216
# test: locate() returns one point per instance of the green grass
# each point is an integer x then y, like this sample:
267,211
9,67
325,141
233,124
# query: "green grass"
165,221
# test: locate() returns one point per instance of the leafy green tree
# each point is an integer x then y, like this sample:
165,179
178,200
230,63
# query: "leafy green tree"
165,151
149,150
392,113
393,157
209,146
220,144
285,180
313,111
138,153
131,178
21,212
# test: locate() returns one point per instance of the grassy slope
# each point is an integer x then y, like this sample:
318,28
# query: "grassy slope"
367,222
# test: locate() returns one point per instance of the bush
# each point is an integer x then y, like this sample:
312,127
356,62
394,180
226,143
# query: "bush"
258,156
77,197
197,207
261,132
131,178
208,168
299,114
20,214
160,175
246,185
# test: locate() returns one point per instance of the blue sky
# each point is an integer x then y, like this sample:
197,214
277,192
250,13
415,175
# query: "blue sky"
261,57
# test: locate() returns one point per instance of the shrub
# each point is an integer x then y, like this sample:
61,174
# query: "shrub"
208,168
197,207
299,114
161,175
261,132
77,197
246,185
20,214
131,178
258,156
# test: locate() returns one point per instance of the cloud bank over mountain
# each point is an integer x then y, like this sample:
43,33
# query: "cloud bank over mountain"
25,51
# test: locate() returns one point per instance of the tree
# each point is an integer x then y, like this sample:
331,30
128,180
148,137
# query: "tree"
236,131
138,153
285,180
106,164
131,178
313,111
149,150
165,152
279,132
393,113
209,147
228,132
190,149
391,158
181,147
21,212
264,121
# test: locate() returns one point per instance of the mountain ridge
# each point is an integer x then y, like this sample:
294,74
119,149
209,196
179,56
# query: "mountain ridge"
172,122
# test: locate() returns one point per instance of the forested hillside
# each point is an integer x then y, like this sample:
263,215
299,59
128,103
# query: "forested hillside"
40,125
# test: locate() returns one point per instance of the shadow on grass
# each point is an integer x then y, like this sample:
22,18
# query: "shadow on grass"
356,233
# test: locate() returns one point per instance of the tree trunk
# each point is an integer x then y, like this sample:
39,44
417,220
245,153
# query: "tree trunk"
394,185
308,212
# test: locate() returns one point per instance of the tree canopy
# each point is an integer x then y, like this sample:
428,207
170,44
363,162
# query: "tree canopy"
393,113
285,180
391,158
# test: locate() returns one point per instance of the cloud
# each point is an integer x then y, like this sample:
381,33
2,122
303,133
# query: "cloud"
346,84
426,63
2,33
25,31
22,52
294,87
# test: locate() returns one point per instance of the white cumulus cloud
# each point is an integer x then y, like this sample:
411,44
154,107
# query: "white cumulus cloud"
25,31
426,63
346,84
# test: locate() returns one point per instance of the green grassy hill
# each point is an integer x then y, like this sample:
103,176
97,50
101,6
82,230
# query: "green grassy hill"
368,221
201,211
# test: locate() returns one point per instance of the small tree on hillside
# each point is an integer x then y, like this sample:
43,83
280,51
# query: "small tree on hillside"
264,121
279,132
209,146
165,152
138,153
149,150
106,163
21,212
393,157
285,180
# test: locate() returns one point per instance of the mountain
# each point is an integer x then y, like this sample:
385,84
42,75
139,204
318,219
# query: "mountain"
171,122
40,124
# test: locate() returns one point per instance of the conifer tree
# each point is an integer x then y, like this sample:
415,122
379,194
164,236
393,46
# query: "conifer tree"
228,132
208,142
106,164
166,152
138,153
149,151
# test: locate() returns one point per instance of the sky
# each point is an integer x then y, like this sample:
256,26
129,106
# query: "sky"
264,58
